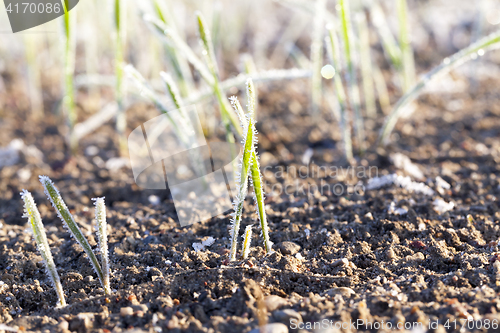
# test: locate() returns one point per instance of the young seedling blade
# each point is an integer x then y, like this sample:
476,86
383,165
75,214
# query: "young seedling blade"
64,214
247,240
489,42
102,236
33,215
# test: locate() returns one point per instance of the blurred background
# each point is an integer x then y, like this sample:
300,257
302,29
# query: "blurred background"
269,35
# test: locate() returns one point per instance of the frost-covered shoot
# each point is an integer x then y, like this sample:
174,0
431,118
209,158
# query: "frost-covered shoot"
102,236
31,212
69,222
249,167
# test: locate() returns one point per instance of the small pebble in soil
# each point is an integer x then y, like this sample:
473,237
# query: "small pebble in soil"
273,302
390,254
343,262
290,248
154,200
126,311
419,245
63,325
173,323
344,291
286,315
81,323
271,328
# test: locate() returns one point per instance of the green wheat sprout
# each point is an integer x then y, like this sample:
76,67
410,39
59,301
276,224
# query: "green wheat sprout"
145,90
256,177
69,222
179,65
69,72
228,117
350,73
176,98
209,55
317,55
408,60
333,50
256,182
242,177
250,69
247,240
381,87
121,120
102,236
33,215
249,167
34,77
389,44
187,140
173,90
366,65
485,44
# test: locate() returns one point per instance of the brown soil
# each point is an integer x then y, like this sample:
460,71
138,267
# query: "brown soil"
419,267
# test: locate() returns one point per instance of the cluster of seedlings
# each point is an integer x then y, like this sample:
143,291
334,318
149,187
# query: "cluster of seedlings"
179,81
249,169
349,53
348,56
358,81
332,32
35,220
248,173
